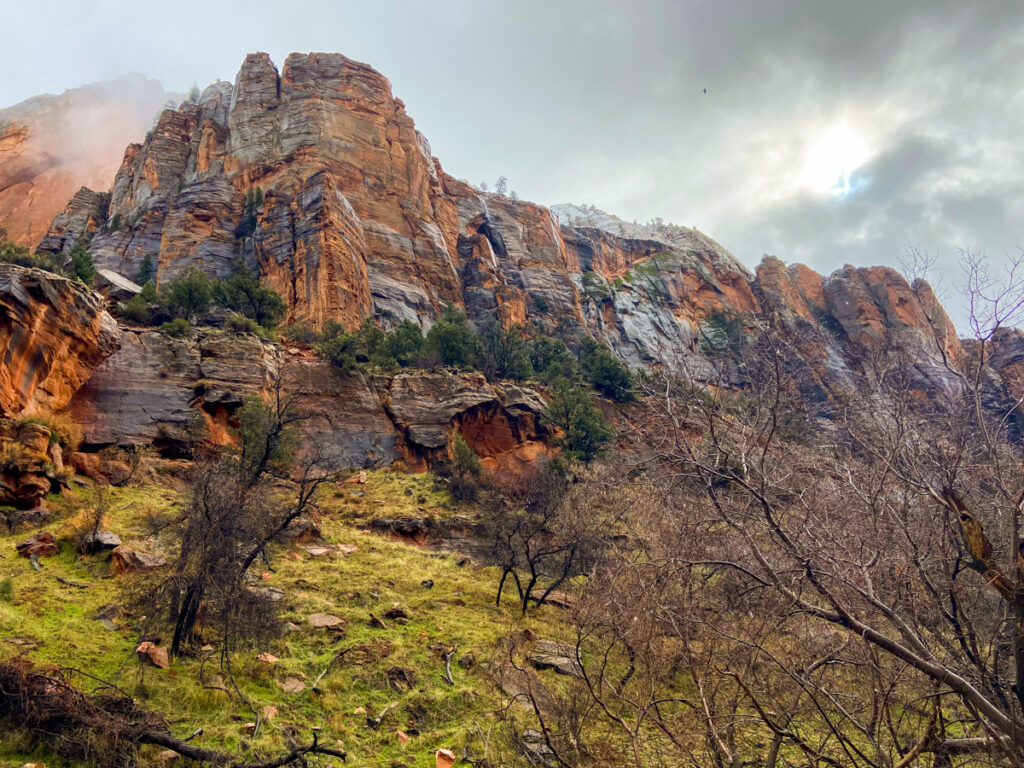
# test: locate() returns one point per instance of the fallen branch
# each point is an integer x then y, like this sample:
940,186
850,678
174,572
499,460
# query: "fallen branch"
107,728
70,583
337,657
376,721
447,676
34,562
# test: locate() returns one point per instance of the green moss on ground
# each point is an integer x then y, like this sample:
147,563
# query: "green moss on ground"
53,623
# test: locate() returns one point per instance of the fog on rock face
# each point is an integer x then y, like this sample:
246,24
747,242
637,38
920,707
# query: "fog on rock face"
50,146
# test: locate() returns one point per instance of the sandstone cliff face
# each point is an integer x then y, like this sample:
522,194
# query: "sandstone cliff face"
354,218
53,333
51,146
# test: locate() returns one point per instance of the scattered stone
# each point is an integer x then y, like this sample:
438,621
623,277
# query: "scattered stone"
268,658
377,623
467,660
108,611
314,551
326,621
346,549
42,544
249,729
207,648
291,627
303,530
152,654
536,748
403,737
269,712
293,685
395,613
271,594
427,583
100,541
125,559
359,711
444,758
167,756
547,654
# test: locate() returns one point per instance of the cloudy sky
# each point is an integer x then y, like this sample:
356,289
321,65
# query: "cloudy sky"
830,133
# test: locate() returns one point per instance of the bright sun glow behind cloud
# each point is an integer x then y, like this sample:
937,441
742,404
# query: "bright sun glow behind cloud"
835,156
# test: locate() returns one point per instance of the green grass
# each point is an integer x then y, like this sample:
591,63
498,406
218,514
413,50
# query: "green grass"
52,624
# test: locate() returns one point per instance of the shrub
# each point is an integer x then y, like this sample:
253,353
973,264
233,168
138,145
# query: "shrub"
81,263
253,200
406,344
302,333
584,428
240,324
147,270
452,340
338,347
189,294
243,292
551,359
465,471
504,353
149,294
7,590
177,328
604,372
12,253
136,310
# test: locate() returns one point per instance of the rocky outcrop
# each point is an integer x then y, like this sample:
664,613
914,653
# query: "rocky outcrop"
51,146
168,392
31,464
53,334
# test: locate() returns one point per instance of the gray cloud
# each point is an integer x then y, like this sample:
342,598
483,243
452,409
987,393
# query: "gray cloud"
601,102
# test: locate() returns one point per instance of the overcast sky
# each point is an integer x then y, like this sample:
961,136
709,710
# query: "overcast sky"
830,133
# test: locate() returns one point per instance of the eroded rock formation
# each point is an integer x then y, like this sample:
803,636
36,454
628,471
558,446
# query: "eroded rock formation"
53,333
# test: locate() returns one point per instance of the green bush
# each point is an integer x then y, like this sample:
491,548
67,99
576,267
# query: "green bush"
177,328
243,292
337,347
81,263
149,293
136,310
452,341
604,372
584,428
253,200
406,344
147,270
239,324
189,294
12,253
465,471
551,359
504,353
302,333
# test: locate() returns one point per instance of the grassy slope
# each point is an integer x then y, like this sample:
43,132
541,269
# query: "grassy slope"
52,623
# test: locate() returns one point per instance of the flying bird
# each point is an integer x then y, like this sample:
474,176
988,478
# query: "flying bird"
705,91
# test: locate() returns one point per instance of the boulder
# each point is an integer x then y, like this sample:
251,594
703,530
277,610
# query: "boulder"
326,621
547,654
153,655
41,544
125,559
99,541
